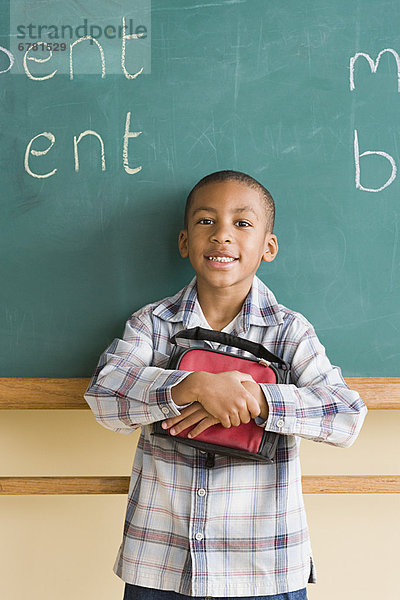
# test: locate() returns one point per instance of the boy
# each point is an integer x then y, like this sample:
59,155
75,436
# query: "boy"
238,529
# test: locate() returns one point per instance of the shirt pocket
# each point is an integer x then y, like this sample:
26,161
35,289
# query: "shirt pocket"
160,359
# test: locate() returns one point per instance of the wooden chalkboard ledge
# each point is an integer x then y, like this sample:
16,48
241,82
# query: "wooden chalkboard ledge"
312,484
46,393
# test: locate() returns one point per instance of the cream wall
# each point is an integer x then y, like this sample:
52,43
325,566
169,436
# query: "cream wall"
64,547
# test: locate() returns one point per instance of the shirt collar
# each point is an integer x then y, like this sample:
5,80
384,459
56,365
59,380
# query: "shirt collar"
181,308
259,308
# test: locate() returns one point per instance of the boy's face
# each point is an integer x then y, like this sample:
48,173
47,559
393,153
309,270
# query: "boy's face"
227,237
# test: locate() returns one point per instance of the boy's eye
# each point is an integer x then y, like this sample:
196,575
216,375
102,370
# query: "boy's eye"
208,221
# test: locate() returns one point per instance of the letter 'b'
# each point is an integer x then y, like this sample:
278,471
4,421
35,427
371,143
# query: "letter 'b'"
357,157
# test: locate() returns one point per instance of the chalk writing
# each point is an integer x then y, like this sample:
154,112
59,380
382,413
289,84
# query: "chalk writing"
128,134
373,66
38,60
125,37
10,58
30,151
357,157
87,37
76,142
92,41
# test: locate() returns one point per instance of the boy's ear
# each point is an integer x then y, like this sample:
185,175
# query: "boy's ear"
182,243
271,250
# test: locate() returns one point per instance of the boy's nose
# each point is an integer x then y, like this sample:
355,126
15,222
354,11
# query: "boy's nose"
221,235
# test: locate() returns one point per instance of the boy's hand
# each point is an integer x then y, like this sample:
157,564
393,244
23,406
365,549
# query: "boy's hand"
221,394
196,414
191,415
255,389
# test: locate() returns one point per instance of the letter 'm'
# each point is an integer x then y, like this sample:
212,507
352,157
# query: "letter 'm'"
373,65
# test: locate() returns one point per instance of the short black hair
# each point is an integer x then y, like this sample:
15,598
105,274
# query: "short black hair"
228,175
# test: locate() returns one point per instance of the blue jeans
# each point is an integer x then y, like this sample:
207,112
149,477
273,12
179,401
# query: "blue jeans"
134,592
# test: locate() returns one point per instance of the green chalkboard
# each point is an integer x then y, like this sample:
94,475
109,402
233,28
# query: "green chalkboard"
260,86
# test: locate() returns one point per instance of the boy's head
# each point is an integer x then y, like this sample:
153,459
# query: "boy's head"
229,218
227,175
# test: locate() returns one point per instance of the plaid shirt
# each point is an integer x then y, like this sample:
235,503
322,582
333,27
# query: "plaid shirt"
239,528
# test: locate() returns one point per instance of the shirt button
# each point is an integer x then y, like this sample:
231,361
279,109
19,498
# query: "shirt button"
199,536
165,410
201,492
280,423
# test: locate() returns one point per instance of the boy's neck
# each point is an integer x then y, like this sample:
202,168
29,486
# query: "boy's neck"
220,305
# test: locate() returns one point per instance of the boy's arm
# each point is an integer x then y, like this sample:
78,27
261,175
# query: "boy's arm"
125,392
200,419
222,395
318,404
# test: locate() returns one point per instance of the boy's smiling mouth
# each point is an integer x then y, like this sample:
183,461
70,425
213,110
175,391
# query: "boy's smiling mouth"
221,258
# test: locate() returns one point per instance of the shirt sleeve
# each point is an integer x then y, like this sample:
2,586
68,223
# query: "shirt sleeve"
317,404
125,391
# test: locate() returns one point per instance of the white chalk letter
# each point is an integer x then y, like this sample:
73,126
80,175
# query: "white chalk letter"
28,151
38,60
357,157
76,142
87,37
10,58
125,37
129,134
373,65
